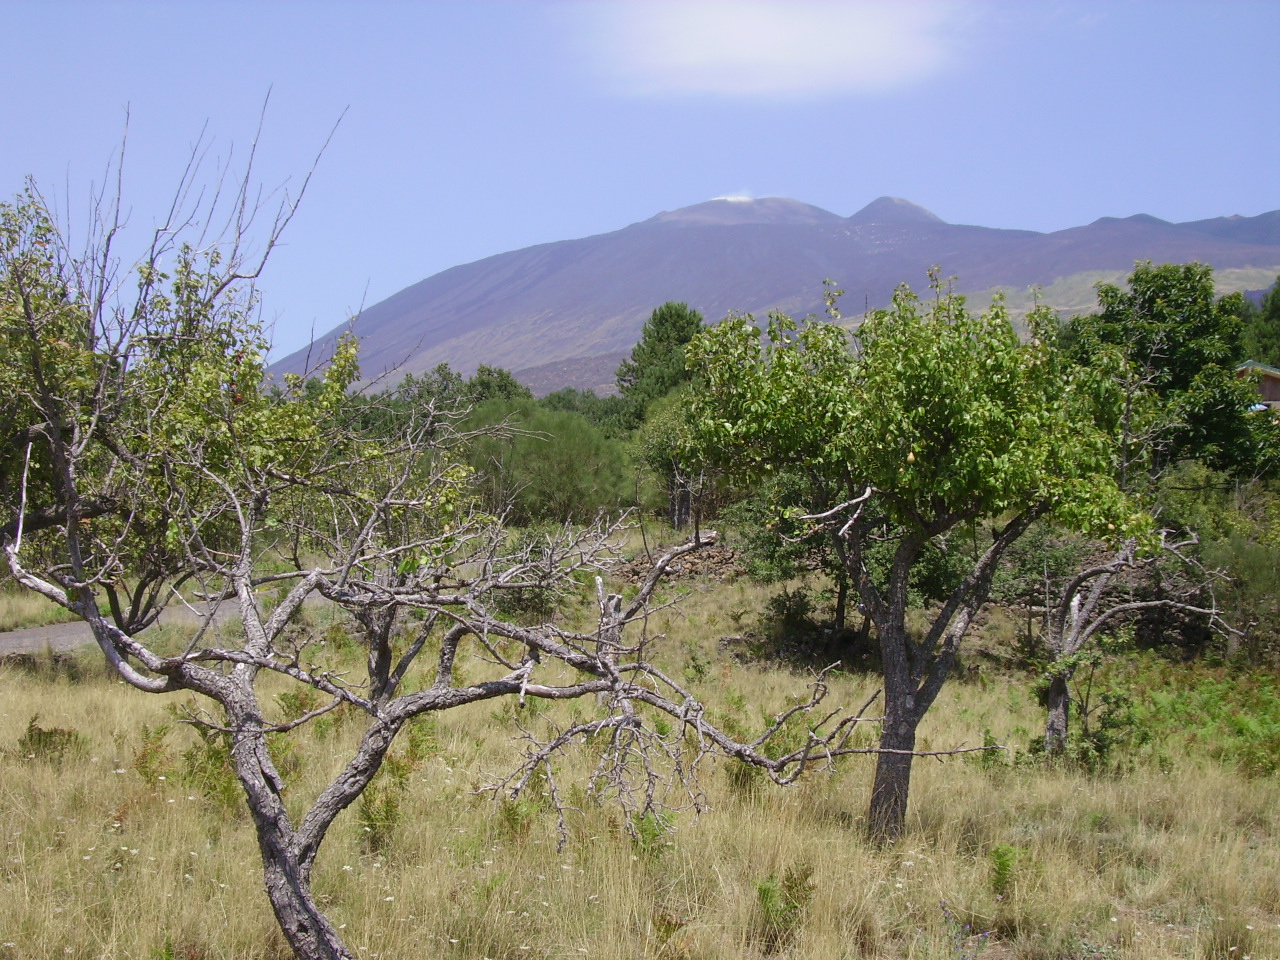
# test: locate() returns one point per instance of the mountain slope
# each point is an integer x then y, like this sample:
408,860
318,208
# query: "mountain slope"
546,305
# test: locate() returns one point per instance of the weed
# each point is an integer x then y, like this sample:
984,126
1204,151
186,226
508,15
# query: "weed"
698,667
992,756
421,740
298,702
378,814
650,831
207,766
745,781
152,760
381,806
1003,858
781,905
965,942
50,745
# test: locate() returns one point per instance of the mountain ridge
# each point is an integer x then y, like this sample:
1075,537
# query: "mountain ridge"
544,307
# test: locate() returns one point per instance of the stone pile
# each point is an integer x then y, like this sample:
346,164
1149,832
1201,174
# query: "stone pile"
709,563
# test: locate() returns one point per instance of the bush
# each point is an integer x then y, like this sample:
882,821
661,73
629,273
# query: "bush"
557,468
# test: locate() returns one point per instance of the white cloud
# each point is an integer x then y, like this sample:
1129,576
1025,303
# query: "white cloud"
755,48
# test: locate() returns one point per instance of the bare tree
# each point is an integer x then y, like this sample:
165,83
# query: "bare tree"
1092,601
156,464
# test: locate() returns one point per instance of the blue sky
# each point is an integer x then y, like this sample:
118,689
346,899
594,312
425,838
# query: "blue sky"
470,129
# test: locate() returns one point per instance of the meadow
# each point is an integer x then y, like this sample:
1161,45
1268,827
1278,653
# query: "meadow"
124,835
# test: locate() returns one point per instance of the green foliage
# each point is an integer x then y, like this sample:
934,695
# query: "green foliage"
940,411
378,814
298,702
440,390
651,831
160,408
992,756
1109,729
606,413
550,466
1138,706
380,810
1003,858
936,423
1173,340
207,766
774,543
1250,599
657,363
1238,524
494,383
661,444
1261,338
1234,717
153,760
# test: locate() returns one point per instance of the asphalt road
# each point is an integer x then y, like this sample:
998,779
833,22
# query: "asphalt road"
57,637
61,637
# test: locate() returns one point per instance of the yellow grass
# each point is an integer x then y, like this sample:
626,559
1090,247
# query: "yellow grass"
20,609
100,862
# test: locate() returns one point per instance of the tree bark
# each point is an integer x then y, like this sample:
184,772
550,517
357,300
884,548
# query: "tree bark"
308,931
680,503
286,873
887,816
1058,701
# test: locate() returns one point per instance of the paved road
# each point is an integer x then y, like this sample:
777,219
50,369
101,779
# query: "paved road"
59,636
69,636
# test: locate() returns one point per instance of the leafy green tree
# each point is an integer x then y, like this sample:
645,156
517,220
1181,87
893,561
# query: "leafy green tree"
938,419
661,444
657,363
605,413
494,383
778,545
655,369
1161,355
1261,341
1175,344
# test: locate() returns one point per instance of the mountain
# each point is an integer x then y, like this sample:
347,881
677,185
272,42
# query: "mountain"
562,314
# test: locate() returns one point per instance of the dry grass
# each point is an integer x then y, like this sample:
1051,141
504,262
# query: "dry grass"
103,859
21,609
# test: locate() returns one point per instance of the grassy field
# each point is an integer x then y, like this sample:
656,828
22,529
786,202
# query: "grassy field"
123,836
20,609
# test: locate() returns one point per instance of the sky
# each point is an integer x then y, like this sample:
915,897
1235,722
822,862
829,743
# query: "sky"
460,130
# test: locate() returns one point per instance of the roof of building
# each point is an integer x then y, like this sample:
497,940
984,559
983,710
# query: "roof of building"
1260,367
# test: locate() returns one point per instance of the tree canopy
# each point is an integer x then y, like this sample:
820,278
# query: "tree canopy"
932,419
657,363
1176,345
1261,341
